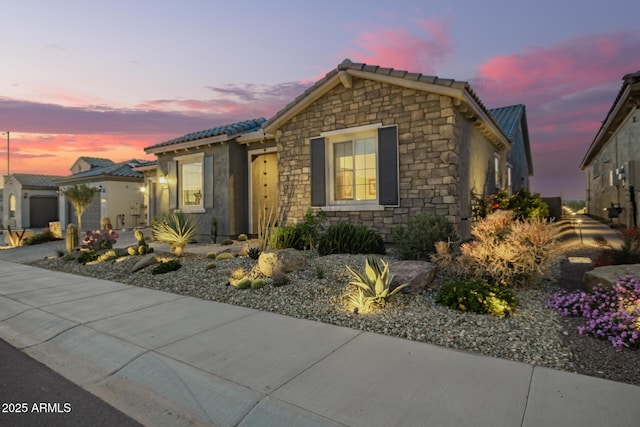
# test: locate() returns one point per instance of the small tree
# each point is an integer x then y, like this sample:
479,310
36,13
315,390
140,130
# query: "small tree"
80,197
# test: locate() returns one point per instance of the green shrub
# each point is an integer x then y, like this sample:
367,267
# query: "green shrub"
165,267
371,287
627,253
86,257
285,237
477,296
416,240
528,206
45,236
310,230
346,238
280,279
176,229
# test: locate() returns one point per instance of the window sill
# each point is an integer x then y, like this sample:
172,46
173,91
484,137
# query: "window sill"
196,209
352,207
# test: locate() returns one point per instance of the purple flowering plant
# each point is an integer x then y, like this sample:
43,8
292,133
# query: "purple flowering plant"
99,239
611,313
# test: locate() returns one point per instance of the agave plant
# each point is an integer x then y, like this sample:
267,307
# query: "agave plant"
372,287
176,229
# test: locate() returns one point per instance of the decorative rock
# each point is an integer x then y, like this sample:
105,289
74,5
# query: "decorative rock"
144,261
282,261
607,276
417,274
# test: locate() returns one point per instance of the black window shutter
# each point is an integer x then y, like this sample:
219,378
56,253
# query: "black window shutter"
318,179
388,166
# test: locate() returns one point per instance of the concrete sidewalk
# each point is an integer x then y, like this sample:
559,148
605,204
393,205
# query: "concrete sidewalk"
171,360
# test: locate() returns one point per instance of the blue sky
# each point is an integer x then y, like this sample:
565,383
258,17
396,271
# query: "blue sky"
109,78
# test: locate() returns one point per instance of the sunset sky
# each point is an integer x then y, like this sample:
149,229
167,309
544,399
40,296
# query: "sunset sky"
106,79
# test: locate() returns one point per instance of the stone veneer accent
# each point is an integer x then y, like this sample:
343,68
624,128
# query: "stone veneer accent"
428,152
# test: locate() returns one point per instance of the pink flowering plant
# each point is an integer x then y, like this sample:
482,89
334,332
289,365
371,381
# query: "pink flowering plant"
99,239
611,313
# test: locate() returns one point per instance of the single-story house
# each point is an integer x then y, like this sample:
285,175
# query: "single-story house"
203,173
119,193
29,201
366,144
612,161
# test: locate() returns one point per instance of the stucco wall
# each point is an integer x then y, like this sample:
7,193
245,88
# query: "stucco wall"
428,128
225,189
622,149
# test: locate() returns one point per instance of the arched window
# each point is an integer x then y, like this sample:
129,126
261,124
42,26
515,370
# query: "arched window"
12,206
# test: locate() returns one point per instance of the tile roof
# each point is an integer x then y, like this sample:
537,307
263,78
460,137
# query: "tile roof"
402,74
230,129
33,180
508,118
121,170
96,162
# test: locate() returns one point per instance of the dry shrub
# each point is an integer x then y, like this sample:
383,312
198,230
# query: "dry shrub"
504,251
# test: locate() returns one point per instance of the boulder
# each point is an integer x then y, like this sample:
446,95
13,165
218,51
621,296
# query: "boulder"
417,274
144,261
608,275
281,261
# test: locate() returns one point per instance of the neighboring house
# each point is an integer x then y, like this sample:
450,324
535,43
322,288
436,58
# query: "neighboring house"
612,162
368,145
206,174
119,194
513,121
30,201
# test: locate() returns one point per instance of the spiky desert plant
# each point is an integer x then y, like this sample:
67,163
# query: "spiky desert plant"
372,287
80,197
176,229
71,238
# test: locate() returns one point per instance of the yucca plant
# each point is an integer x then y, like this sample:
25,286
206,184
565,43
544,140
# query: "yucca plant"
372,287
176,229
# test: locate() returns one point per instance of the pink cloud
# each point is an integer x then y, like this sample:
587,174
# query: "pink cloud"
545,74
401,49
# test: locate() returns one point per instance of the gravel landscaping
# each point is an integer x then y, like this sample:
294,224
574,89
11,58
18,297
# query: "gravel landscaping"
534,334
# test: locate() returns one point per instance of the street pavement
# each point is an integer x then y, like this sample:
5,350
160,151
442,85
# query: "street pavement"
171,360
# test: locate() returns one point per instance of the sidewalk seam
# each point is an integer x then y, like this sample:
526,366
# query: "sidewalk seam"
526,403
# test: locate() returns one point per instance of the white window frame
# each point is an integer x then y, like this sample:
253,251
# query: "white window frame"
509,178
186,160
346,135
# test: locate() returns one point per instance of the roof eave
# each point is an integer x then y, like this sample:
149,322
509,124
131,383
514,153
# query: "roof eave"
187,145
617,116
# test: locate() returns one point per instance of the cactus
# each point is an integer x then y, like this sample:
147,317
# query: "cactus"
139,236
243,284
238,273
258,283
132,251
242,237
211,255
72,237
224,256
142,250
108,256
214,229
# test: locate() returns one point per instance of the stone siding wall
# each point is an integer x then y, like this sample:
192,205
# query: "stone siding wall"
428,151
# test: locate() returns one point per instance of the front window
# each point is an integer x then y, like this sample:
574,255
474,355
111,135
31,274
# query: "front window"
191,184
355,176
496,171
12,206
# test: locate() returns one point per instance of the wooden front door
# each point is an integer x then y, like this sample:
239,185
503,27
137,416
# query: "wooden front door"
264,187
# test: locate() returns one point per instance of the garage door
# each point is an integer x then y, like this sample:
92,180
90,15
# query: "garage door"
42,210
